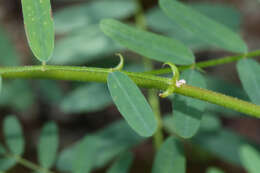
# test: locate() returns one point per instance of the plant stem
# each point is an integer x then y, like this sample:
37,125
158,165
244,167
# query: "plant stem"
29,164
155,104
209,63
220,99
153,98
89,74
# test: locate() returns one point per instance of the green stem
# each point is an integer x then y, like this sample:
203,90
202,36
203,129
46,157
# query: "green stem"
29,164
89,74
209,63
152,95
155,104
220,99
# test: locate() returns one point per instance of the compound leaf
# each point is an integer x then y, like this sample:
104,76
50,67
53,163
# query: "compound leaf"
39,27
205,28
132,104
148,44
111,144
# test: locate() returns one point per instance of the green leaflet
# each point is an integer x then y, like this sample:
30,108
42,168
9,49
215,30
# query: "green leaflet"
81,99
39,27
148,44
203,27
2,149
14,135
250,158
48,145
18,94
214,170
9,57
85,155
210,122
222,13
223,143
187,112
86,14
111,145
170,158
248,71
82,46
6,163
132,104
122,164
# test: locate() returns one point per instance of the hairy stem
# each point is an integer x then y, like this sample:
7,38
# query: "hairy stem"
89,74
209,63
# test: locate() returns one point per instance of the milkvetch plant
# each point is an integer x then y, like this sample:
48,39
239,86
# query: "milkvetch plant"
188,89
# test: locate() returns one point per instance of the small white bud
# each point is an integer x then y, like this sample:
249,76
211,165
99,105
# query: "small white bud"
181,82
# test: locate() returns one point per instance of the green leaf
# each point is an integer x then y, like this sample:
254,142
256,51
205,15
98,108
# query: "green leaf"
229,16
210,122
122,164
214,170
50,91
9,56
205,28
39,27
112,143
250,158
222,13
84,157
82,46
81,99
48,145
187,112
223,143
148,44
86,14
131,104
6,163
17,94
2,150
13,135
248,71
170,157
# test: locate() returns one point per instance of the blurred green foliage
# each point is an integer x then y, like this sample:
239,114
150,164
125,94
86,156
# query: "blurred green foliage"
80,41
